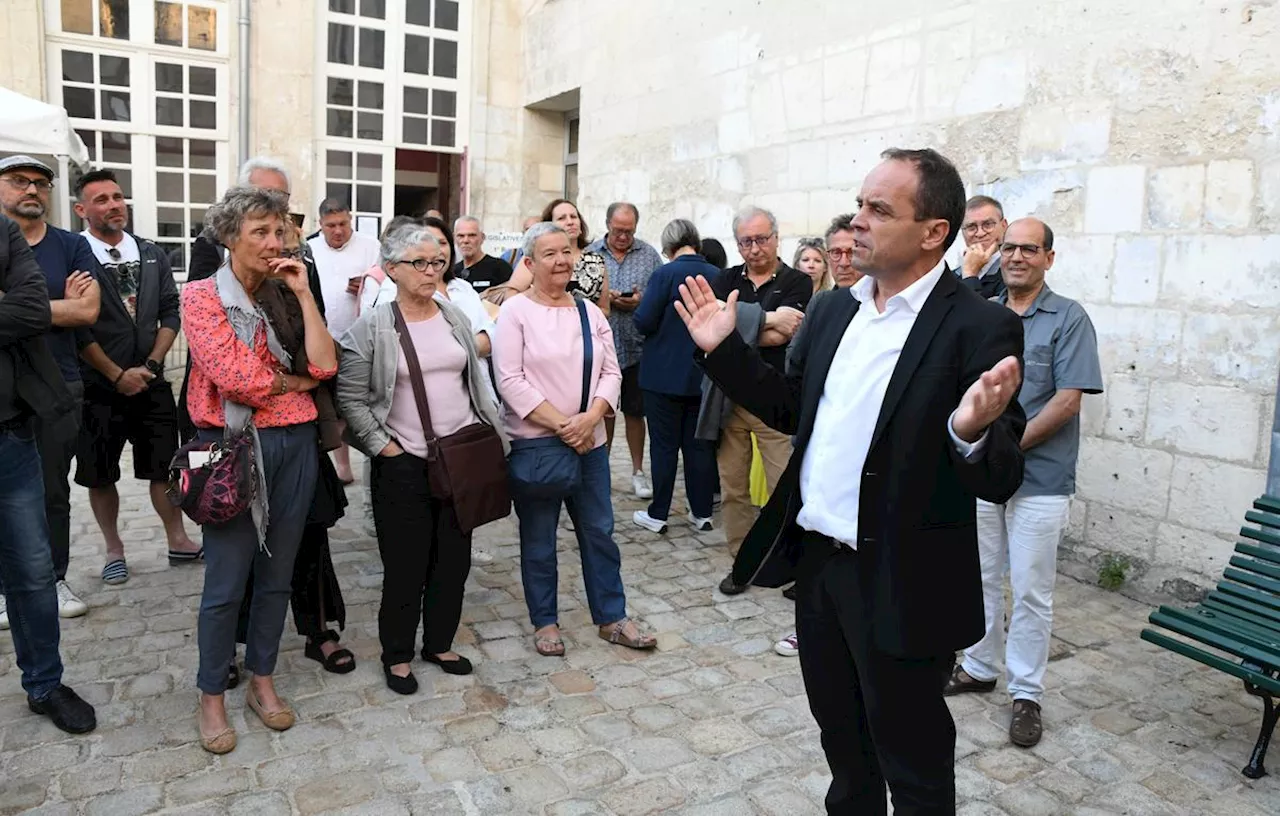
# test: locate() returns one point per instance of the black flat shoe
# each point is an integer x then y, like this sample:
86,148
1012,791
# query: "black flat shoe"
789,593
400,685
459,666
67,711
340,661
728,587
233,675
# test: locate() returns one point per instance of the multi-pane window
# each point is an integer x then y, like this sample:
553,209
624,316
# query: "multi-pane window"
96,86
98,18
186,95
419,12
187,24
186,184
354,108
110,151
356,34
356,178
430,117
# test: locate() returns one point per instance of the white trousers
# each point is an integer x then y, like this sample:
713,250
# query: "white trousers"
1022,537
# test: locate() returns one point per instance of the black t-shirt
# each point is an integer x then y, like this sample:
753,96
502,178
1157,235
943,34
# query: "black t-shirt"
787,287
488,271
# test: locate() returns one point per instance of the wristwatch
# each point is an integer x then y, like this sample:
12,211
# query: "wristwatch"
154,367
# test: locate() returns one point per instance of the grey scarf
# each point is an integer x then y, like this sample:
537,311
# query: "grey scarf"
245,317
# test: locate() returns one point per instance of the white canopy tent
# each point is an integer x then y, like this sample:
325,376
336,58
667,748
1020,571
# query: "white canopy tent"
42,131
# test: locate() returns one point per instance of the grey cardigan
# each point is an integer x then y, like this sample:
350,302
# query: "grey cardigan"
367,377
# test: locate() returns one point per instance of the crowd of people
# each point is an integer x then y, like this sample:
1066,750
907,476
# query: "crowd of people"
865,369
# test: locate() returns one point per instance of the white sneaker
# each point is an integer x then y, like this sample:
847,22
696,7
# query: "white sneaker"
789,646
640,485
702,525
69,606
4,614
480,558
643,519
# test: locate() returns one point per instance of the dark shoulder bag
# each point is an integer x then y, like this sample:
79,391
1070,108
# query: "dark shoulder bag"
467,468
547,468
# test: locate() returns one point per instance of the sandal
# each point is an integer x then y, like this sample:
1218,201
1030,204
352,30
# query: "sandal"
115,572
340,661
614,634
177,557
548,646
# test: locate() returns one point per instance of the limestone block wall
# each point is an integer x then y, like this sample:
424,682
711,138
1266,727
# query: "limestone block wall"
22,67
1146,133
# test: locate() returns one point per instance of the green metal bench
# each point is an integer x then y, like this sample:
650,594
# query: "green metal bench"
1239,620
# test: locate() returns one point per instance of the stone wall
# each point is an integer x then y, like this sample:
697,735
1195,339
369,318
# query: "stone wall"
22,67
1146,133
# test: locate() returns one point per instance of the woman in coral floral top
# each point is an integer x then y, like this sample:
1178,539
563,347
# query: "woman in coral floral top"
240,377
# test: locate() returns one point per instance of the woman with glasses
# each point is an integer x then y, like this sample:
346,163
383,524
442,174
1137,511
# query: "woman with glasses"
811,259
590,279
425,554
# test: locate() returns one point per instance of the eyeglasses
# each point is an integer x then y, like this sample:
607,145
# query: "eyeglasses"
21,183
114,253
840,253
973,228
421,264
292,254
1028,250
748,243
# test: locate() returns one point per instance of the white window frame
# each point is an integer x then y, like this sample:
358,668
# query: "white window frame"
387,183
142,27
571,158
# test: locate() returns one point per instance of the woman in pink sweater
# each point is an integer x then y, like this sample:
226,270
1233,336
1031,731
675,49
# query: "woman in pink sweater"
558,376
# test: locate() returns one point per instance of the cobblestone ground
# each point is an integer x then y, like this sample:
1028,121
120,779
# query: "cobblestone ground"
713,723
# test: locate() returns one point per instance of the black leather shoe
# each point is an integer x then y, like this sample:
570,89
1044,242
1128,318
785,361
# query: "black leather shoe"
728,587
459,666
789,593
67,710
400,685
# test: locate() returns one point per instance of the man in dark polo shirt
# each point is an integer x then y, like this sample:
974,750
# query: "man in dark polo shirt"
475,267
1061,365
782,293
74,299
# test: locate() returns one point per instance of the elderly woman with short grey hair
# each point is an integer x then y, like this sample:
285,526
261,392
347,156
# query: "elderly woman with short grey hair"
426,554
672,385
242,383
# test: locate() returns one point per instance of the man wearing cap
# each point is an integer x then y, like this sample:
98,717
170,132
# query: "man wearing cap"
74,298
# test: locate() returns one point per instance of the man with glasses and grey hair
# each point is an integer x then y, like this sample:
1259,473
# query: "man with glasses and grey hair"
983,231
782,294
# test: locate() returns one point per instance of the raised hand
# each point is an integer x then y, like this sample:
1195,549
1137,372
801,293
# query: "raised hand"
987,398
709,321
292,271
977,257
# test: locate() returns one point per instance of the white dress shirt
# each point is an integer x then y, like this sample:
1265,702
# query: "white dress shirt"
831,473
336,268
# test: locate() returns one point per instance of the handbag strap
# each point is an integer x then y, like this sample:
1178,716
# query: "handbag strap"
587,354
415,379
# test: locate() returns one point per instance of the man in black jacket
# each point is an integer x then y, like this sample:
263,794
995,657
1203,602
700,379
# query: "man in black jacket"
901,400
30,385
126,396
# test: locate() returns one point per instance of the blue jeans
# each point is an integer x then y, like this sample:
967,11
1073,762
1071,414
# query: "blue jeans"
291,462
26,566
672,420
591,509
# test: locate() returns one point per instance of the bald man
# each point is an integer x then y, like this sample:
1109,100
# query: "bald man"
1061,366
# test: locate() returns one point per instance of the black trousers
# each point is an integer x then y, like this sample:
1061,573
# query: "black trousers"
56,452
883,718
425,560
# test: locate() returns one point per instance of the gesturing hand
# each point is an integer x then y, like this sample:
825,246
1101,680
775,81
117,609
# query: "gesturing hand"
709,321
986,399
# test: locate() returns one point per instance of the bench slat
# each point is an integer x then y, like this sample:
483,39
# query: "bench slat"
1212,660
1229,624
1267,502
1258,615
1253,580
1258,534
1270,520
1263,599
1256,566
1221,636
1264,552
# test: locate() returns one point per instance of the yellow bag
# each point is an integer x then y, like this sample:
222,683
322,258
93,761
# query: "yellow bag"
759,484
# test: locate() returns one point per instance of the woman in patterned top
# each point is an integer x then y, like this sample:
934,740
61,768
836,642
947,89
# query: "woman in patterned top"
241,380
590,279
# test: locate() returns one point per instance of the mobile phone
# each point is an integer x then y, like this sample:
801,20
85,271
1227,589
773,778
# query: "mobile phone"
627,293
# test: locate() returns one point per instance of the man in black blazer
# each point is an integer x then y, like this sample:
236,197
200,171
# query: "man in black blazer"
901,400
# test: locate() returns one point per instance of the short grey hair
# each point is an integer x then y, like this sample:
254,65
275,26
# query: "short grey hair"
399,240
620,205
678,234
263,163
470,218
841,223
331,206
223,221
539,230
748,213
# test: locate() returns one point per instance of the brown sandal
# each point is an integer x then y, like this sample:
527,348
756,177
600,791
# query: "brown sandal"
614,634
548,646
